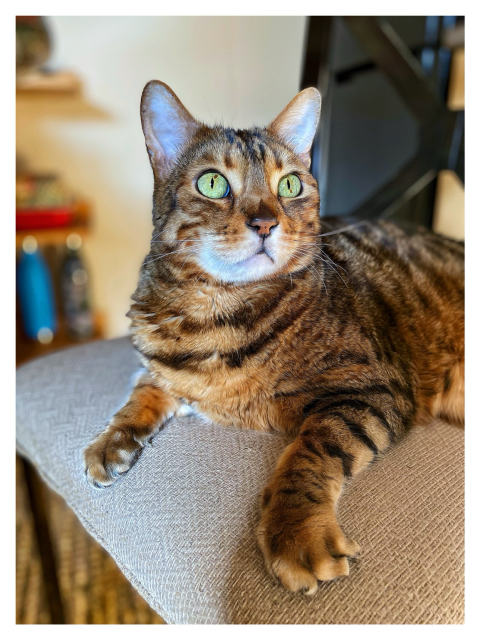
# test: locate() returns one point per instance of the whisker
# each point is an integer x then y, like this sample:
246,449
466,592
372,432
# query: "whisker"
163,255
189,255
331,264
309,251
351,226
310,267
177,240
333,261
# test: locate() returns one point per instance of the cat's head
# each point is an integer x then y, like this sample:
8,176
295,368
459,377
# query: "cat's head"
240,206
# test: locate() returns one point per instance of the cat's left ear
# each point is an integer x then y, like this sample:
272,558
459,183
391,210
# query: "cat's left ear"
167,125
297,123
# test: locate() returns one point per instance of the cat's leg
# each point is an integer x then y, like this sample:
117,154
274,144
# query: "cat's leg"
298,532
117,448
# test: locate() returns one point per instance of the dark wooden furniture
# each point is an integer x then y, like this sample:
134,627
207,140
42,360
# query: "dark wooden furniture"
441,130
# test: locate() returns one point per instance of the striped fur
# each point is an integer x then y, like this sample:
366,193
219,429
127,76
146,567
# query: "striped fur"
357,334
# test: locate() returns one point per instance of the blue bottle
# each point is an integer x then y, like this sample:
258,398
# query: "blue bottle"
36,294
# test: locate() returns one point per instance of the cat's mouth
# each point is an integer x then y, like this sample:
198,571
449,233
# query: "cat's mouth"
263,250
262,262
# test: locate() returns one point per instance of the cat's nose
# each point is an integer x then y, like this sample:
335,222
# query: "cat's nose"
262,226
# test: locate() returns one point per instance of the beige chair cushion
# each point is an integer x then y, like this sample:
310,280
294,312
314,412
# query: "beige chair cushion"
181,523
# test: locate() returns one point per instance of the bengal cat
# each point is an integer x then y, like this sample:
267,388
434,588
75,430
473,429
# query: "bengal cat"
250,313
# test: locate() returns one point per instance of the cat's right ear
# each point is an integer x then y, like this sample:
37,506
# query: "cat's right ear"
297,123
168,127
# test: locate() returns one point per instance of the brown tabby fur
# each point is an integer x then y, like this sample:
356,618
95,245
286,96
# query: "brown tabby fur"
357,337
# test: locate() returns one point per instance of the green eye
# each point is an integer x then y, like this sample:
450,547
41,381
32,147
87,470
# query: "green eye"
289,186
213,185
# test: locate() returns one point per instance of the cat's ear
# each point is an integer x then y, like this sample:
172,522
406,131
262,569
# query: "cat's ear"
168,127
297,123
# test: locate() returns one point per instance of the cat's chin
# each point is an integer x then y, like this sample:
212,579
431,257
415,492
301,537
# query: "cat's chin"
254,268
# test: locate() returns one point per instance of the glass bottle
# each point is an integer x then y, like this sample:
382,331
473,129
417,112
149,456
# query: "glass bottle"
74,287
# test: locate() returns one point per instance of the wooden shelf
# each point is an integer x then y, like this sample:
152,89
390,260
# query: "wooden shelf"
46,237
58,235
27,349
53,95
59,82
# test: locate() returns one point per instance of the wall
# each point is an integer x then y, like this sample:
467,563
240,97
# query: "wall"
239,71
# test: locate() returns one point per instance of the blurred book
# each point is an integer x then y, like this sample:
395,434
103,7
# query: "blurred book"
42,202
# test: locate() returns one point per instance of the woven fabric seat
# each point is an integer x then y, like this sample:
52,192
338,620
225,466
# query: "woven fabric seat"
181,524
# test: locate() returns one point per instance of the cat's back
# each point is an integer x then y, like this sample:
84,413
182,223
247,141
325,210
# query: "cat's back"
407,287
396,256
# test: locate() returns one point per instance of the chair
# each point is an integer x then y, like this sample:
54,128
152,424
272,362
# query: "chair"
181,523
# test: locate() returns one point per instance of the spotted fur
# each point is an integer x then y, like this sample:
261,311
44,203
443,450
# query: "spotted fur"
354,334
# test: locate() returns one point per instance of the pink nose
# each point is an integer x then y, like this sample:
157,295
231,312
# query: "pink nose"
262,225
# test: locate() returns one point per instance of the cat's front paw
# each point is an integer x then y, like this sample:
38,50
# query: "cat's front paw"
302,545
113,453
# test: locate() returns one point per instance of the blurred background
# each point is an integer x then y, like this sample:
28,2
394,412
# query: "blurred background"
390,144
78,119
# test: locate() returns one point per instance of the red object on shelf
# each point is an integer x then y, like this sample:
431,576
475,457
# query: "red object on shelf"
43,218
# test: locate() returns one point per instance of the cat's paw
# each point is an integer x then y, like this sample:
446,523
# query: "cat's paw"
113,453
302,546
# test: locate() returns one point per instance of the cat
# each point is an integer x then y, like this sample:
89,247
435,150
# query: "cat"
248,312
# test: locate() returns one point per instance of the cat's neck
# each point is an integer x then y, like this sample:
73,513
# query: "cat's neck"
207,300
